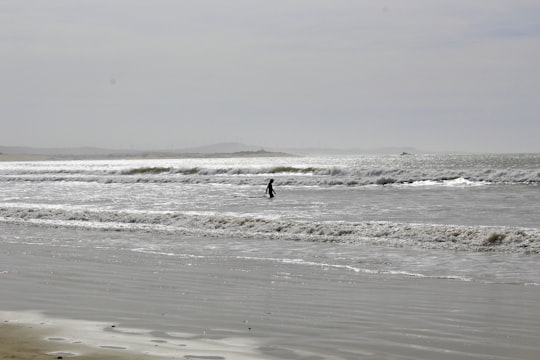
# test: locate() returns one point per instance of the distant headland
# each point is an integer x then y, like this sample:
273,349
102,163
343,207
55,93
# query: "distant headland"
49,154
220,150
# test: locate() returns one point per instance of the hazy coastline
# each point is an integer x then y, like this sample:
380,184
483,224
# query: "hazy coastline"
219,150
138,155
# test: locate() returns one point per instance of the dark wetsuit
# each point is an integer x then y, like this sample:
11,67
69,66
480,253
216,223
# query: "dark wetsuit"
270,190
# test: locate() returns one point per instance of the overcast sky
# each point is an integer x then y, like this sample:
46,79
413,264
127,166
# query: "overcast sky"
162,74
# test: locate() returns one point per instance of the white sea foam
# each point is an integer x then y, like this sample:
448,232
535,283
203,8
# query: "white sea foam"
358,269
293,179
392,200
434,236
352,171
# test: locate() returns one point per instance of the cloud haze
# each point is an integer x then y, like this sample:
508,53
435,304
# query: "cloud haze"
164,74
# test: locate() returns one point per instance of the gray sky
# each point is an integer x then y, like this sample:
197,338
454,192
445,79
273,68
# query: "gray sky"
164,74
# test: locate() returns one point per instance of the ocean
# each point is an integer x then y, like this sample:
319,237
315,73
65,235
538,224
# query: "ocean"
465,221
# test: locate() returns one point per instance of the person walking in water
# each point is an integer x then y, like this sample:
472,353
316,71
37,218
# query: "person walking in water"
269,189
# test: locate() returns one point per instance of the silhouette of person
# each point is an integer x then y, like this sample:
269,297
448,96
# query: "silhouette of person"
269,189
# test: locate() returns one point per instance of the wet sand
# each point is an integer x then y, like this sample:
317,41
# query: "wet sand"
103,302
32,336
22,342
29,342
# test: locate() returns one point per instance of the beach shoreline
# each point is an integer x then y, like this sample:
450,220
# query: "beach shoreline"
229,307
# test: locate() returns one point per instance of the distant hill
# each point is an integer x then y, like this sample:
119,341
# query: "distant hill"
356,151
209,149
20,150
14,153
229,147
226,149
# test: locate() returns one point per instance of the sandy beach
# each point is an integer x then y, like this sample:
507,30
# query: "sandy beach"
34,342
82,300
32,336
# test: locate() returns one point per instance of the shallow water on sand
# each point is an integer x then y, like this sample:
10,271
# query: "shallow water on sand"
288,300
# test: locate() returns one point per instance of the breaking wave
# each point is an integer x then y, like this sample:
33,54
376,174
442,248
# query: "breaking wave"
433,236
286,175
